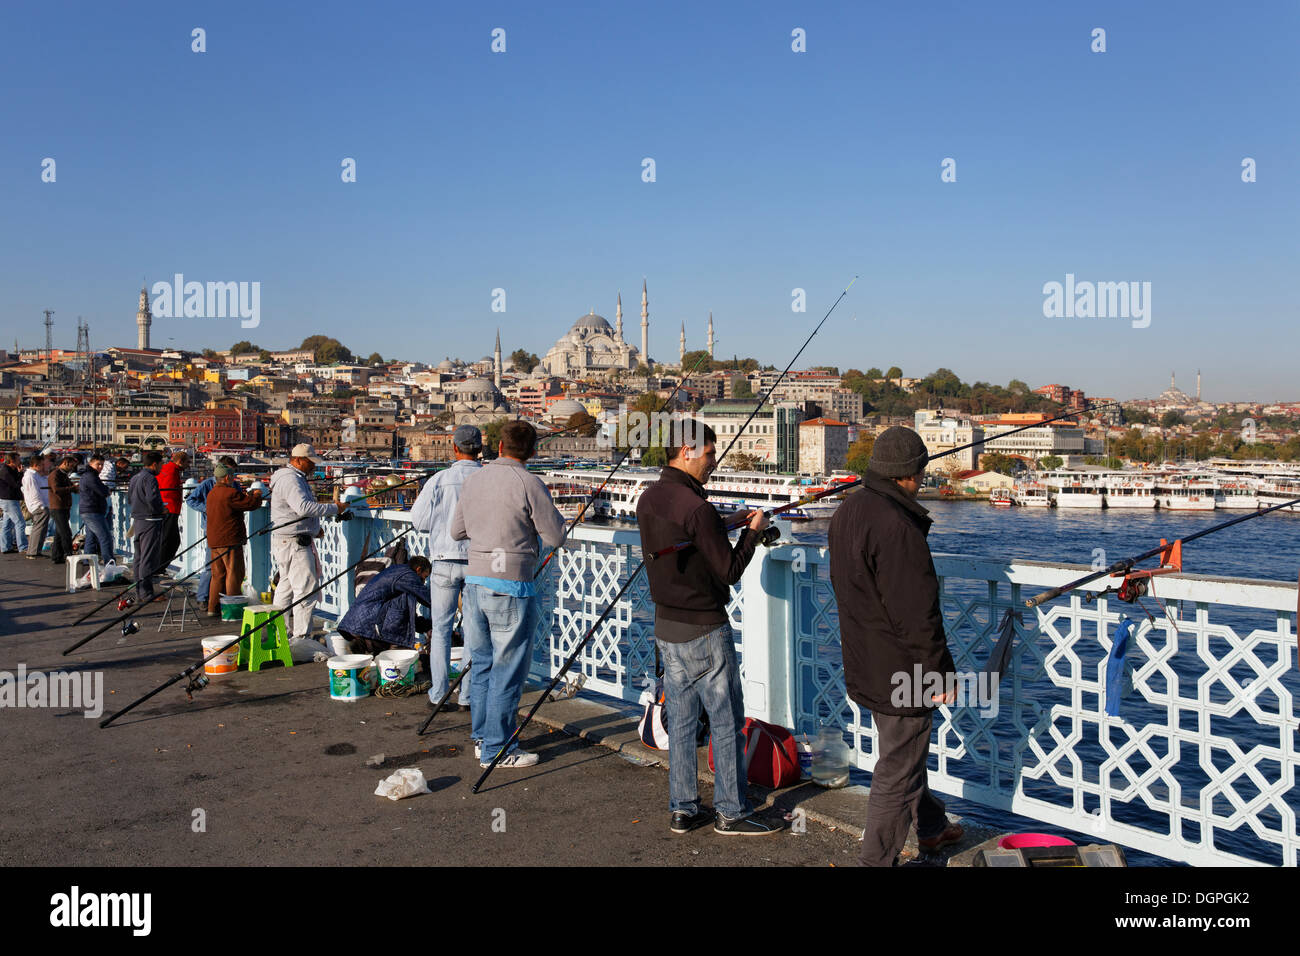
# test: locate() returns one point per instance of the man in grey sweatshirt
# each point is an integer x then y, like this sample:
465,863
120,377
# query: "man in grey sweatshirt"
502,510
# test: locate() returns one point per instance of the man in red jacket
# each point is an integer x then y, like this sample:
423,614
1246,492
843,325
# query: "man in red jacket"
891,632
171,479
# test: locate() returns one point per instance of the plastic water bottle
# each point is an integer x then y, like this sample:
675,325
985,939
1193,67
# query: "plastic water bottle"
830,764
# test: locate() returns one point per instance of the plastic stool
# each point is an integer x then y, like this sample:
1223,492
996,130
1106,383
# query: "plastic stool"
74,562
255,651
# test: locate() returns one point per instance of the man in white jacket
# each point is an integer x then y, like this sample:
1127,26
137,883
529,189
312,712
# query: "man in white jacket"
295,515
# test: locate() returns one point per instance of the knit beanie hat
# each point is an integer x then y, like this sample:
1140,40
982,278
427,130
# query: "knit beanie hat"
898,453
220,471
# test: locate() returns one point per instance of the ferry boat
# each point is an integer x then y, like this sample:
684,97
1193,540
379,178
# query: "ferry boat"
1237,494
1276,489
729,491
1185,493
1000,498
1124,491
1073,491
569,496
1032,494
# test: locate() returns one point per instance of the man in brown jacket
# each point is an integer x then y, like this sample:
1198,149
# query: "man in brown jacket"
226,535
61,491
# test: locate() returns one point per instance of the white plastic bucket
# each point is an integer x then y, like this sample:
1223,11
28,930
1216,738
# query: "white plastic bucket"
224,663
457,662
352,676
397,667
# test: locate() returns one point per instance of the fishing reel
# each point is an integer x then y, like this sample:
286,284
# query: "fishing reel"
196,683
129,628
125,602
769,536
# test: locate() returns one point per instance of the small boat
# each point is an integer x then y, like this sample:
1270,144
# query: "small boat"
1032,494
1185,493
1123,491
1000,498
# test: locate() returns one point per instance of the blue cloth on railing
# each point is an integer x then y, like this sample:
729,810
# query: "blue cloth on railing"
1115,665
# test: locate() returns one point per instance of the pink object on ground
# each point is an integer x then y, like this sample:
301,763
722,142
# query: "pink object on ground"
1018,841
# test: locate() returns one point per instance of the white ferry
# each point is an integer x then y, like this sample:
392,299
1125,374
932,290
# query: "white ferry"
1275,489
1032,494
1124,491
729,491
1237,494
1185,493
1074,491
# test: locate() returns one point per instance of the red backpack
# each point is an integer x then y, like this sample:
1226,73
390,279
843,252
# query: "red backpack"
771,756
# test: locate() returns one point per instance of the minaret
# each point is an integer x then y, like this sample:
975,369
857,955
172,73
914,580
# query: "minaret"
496,362
143,319
1198,386
681,346
710,335
645,326
618,320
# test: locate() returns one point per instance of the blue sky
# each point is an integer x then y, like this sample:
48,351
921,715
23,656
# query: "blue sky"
775,170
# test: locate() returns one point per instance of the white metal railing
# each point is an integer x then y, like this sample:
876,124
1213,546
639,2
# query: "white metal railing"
1200,766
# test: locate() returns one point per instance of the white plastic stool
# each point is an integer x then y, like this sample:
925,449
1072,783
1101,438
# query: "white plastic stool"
74,562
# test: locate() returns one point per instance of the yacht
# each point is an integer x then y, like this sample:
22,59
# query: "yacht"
1126,491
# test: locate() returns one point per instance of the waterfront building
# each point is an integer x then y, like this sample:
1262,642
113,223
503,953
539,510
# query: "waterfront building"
1059,438
942,433
772,437
823,446
214,427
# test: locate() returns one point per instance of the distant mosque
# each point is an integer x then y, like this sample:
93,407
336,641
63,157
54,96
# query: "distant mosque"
591,347
1174,395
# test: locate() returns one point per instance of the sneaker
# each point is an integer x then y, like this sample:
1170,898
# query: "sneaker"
515,760
952,834
746,826
683,822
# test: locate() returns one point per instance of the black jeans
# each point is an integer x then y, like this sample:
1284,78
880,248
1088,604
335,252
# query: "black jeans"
171,539
61,546
899,790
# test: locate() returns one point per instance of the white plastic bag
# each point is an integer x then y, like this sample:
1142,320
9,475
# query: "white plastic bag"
110,572
407,782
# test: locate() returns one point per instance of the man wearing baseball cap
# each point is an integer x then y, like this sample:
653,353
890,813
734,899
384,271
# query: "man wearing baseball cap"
891,627
295,515
432,512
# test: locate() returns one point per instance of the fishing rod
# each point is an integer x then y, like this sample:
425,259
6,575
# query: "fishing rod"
618,464
641,566
542,567
1131,589
133,610
202,681
123,603
742,520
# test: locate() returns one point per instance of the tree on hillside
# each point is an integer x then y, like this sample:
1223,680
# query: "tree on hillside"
524,360
742,389
1002,464
375,359
894,372
1050,462
243,347
859,455
582,423
492,436
873,373
326,350
1171,418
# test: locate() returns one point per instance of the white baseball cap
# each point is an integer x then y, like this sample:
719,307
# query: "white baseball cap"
306,451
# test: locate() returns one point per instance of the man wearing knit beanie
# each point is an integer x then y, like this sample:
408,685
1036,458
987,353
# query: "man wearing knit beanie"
891,629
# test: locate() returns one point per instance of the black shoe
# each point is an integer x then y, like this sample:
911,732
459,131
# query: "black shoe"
684,822
9,551
746,826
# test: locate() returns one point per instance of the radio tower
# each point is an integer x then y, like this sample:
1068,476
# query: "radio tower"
49,335
84,355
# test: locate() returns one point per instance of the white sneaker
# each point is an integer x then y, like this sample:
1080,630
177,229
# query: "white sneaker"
515,760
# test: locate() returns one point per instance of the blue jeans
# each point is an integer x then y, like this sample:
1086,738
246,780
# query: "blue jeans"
704,672
205,576
13,529
498,634
445,586
98,538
